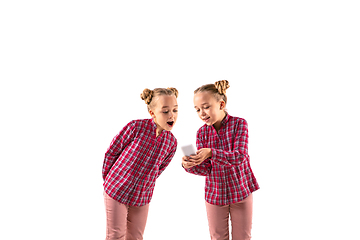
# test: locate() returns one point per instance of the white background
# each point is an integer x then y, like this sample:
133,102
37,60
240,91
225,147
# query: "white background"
71,75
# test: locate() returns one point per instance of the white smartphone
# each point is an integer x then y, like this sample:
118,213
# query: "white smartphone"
188,150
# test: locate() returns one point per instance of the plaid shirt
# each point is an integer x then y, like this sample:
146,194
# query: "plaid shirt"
229,178
134,160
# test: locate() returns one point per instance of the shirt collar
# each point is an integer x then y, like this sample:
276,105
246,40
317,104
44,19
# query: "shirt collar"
226,119
155,127
153,123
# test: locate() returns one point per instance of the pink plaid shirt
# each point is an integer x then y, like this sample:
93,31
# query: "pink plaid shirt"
229,178
134,160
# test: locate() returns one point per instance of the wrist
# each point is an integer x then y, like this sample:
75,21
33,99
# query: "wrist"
210,153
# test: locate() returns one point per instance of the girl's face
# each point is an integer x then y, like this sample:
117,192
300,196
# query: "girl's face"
209,109
165,112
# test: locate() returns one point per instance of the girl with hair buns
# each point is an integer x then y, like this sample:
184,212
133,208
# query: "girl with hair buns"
222,157
135,159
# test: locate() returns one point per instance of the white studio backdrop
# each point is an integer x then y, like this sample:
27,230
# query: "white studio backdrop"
71,77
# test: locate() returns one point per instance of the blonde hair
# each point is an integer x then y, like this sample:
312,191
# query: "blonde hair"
148,95
218,89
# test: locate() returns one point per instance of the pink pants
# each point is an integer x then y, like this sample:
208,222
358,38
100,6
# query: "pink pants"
241,220
124,222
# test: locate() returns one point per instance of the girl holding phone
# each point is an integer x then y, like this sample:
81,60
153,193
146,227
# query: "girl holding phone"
222,157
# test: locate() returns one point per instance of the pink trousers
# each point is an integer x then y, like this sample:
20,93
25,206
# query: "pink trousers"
124,222
241,220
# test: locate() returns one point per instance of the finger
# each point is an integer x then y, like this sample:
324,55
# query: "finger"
190,163
194,157
199,161
187,165
189,160
185,162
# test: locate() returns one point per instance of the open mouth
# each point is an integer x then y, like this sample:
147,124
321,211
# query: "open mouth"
206,119
170,123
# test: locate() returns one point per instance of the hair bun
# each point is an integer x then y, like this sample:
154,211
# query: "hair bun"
147,95
174,90
221,86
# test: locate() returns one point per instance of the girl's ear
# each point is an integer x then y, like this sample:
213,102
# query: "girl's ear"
151,113
222,105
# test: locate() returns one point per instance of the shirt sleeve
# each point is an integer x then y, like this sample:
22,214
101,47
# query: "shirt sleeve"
168,159
204,168
118,144
240,150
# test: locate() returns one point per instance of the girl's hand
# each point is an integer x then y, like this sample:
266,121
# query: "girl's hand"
187,162
201,155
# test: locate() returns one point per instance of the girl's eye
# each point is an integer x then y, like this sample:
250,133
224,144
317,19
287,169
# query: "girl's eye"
206,107
176,110
166,112
197,110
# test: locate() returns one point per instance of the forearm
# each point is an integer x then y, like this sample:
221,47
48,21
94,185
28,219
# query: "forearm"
107,165
162,168
228,158
167,161
203,169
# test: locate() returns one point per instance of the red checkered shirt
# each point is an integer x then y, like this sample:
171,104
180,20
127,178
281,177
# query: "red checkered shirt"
134,160
229,177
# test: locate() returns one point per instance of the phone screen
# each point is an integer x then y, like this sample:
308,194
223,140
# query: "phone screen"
188,150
